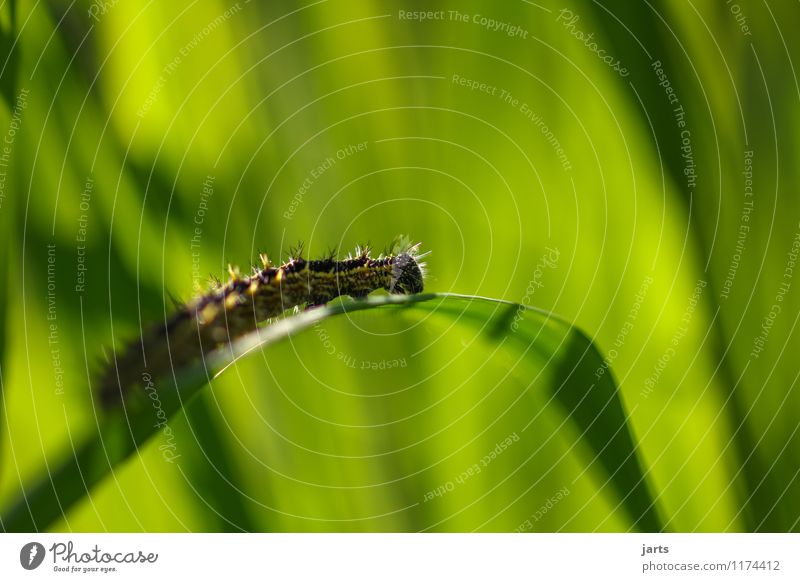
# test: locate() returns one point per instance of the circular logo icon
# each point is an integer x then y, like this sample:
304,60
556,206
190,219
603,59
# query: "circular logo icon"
31,555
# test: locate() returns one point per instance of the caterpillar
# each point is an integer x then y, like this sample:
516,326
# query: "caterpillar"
231,310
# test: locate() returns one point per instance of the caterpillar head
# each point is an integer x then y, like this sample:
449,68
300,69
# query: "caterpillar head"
408,274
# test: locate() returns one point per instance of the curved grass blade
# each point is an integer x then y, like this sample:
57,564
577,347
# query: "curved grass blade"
594,406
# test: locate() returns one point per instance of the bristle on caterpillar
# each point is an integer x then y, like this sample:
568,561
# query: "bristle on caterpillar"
232,309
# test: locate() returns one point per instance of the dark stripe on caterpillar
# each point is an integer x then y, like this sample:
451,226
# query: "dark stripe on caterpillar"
231,310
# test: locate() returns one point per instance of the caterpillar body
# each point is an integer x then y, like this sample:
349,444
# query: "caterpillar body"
231,310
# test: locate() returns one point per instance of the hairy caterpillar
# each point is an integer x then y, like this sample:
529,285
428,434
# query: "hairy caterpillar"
239,306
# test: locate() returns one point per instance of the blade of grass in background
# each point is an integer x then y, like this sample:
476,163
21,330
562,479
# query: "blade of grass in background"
8,87
8,57
728,117
593,405
213,463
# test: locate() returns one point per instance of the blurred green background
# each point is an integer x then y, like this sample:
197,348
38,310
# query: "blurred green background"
147,145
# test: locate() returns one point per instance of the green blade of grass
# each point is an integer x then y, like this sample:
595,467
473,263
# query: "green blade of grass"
8,87
592,404
9,59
